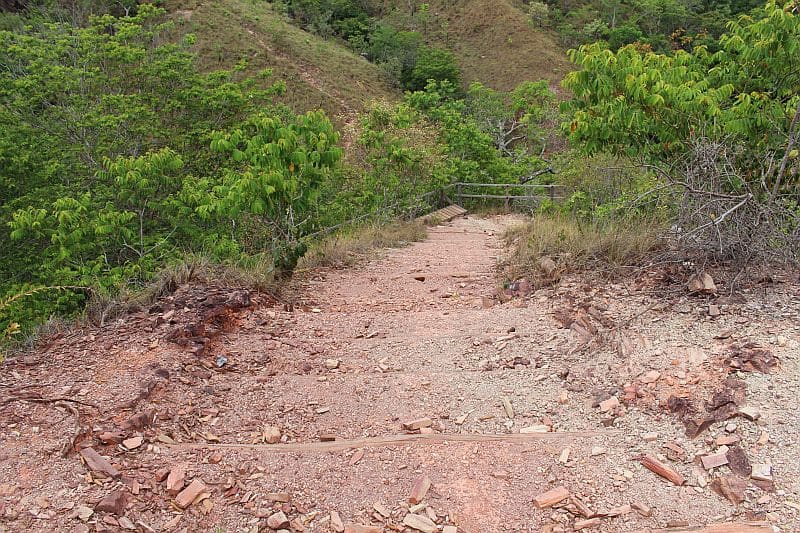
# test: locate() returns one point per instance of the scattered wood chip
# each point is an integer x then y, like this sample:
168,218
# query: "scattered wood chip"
581,507
642,508
714,460
586,524
608,405
730,487
420,523
336,522
659,468
509,409
99,464
419,490
176,479
413,425
551,497
738,461
192,493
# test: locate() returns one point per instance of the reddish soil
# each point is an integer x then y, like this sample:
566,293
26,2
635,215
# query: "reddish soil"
205,376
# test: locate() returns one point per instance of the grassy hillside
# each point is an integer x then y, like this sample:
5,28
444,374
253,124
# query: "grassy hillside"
493,41
318,73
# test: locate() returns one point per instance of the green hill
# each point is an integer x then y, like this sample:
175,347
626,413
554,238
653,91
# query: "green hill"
493,41
318,73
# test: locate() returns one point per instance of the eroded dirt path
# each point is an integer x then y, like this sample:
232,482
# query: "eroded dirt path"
405,337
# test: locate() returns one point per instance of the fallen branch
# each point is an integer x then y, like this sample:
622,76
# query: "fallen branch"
392,440
36,399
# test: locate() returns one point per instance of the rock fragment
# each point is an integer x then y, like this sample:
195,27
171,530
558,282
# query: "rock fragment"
761,472
642,508
414,425
730,487
98,463
714,460
113,503
738,461
188,495
133,442
278,520
359,528
272,434
336,522
176,479
419,522
650,377
750,413
608,405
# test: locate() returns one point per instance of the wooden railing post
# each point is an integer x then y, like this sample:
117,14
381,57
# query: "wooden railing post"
458,194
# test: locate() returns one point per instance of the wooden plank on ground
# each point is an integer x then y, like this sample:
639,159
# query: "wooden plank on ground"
443,215
402,439
726,527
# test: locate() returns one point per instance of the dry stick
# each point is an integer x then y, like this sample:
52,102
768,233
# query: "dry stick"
785,160
717,221
391,440
46,400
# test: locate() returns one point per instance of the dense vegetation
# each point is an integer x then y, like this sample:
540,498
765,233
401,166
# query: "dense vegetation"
402,53
119,155
660,25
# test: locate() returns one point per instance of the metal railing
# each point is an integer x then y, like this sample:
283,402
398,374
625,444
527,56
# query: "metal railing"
508,192
525,195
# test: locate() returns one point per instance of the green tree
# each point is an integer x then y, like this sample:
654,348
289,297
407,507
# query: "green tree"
648,104
720,129
514,120
433,64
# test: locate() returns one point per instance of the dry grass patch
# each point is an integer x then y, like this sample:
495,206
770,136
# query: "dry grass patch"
550,246
346,249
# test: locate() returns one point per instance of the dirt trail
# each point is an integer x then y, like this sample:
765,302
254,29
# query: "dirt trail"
407,336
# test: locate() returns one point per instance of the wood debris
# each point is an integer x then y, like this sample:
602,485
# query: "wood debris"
419,490
413,425
98,463
656,466
191,494
551,497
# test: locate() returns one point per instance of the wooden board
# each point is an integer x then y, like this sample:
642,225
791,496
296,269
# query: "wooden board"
728,527
444,215
402,439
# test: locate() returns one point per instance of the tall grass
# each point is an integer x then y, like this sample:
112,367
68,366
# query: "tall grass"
346,249
550,246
